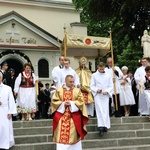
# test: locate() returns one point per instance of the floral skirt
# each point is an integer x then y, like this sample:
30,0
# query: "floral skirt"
26,100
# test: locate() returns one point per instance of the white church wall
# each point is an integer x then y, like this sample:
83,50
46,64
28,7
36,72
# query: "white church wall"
50,19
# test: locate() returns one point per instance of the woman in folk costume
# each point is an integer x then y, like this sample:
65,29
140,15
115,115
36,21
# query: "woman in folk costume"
25,92
146,81
126,94
7,108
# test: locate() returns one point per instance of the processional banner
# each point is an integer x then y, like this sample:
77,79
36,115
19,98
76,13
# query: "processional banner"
82,41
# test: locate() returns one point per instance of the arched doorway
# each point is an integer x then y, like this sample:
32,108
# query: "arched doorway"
15,64
15,60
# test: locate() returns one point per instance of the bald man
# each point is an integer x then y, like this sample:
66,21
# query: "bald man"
116,75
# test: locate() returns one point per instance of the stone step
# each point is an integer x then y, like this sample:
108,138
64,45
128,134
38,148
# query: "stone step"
134,141
86,144
39,138
33,123
48,122
139,147
90,127
37,146
91,135
125,132
32,130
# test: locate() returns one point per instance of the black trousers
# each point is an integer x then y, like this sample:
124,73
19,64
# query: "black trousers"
117,111
39,112
45,108
134,108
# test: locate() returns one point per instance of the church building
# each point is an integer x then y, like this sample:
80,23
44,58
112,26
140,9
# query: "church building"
32,31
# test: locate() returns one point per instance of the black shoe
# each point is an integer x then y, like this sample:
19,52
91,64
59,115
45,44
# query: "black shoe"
13,119
101,131
118,115
105,129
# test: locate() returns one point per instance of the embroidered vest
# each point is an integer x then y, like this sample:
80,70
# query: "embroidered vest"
26,82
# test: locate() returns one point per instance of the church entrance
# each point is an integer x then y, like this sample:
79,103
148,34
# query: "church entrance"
15,64
15,60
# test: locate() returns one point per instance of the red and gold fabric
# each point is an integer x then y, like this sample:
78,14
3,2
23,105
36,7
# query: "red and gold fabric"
85,79
69,127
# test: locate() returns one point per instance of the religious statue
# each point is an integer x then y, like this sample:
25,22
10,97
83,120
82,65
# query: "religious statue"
145,43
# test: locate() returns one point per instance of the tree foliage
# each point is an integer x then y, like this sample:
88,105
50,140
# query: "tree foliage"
127,19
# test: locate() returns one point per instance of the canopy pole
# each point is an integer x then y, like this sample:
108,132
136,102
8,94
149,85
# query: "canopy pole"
65,41
114,76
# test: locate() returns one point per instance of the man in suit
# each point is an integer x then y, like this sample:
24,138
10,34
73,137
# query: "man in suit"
6,75
46,101
12,78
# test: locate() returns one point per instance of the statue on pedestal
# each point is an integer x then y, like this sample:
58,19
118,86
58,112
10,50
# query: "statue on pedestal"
145,43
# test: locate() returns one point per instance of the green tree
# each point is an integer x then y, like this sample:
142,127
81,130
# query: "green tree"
127,19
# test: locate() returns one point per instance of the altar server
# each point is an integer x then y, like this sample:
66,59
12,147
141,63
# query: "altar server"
7,108
102,89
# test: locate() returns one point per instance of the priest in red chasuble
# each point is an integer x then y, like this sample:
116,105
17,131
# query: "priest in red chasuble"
69,116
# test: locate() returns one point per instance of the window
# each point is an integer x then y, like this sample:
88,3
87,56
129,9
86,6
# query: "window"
43,68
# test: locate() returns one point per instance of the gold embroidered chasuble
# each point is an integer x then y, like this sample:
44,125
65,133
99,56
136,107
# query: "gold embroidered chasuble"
85,79
68,128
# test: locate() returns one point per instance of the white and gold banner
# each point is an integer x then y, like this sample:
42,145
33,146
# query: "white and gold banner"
88,42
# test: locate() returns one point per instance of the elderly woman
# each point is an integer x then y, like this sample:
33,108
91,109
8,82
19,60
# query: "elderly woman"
25,92
126,94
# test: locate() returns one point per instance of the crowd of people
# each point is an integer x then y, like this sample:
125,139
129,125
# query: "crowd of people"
74,96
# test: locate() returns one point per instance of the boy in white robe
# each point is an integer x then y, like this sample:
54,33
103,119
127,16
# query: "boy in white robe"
102,88
7,108
56,72
67,70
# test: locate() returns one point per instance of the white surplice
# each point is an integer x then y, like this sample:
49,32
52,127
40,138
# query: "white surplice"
56,73
8,107
78,145
139,76
117,78
90,109
69,71
146,94
102,81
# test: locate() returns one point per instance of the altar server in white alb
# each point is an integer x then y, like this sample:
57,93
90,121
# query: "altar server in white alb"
56,72
102,88
126,94
7,108
67,70
139,75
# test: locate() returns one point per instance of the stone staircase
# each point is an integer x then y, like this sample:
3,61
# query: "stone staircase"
126,133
